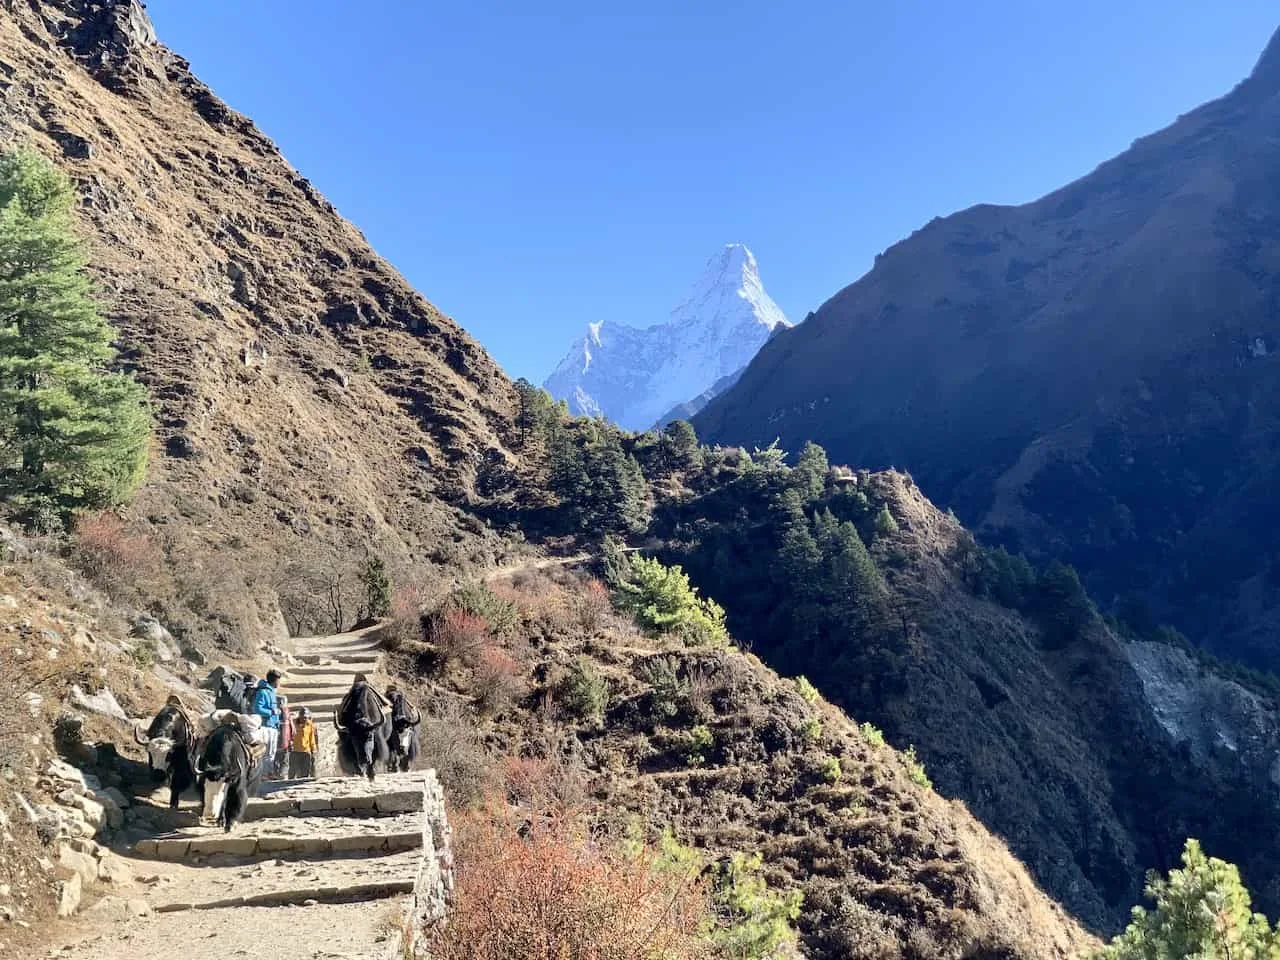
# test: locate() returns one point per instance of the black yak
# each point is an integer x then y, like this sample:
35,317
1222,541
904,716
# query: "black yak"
230,773
171,745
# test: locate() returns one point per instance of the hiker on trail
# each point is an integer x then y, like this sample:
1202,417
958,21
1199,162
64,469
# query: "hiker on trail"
266,704
286,738
361,716
306,744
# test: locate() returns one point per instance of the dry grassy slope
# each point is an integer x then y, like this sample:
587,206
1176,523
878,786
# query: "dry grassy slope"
244,300
887,867
1092,374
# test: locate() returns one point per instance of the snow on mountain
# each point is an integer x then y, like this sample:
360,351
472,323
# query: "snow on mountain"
635,376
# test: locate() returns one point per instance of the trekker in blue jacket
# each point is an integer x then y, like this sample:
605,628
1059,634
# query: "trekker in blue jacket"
267,706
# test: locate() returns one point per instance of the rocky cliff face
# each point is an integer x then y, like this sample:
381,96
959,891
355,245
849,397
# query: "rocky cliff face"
636,377
1089,376
308,400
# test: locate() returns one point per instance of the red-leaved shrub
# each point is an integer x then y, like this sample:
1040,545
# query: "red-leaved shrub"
545,889
118,557
458,636
497,678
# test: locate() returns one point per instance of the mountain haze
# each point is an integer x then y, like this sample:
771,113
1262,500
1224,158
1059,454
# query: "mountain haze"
635,377
1092,376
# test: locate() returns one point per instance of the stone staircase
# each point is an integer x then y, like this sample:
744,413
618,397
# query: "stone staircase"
327,869
329,665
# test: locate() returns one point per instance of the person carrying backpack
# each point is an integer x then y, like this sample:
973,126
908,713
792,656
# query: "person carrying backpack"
266,704
306,744
361,716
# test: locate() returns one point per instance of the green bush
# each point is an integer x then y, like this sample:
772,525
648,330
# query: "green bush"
73,434
915,769
757,922
701,740
872,735
831,770
663,602
377,589
885,523
502,616
811,730
584,692
808,692
1202,911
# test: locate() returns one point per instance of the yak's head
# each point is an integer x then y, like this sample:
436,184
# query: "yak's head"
158,748
405,738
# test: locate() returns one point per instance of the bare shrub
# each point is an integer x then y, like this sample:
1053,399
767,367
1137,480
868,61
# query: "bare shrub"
119,557
405,622
319,593
700,684
593,606
548,889
497,678
545,784
451,744
457,636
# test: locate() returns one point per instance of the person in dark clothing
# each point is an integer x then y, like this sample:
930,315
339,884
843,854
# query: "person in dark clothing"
361,716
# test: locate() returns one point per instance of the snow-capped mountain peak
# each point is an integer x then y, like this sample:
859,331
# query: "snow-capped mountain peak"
635,376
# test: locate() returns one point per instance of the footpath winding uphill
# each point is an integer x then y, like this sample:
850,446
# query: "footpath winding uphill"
329,664
324,869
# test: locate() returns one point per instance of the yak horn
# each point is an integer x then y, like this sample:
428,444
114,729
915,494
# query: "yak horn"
140,738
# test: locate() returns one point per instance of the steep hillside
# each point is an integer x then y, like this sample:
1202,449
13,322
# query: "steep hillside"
567,704
310,404
1091,376
636,376
1093,756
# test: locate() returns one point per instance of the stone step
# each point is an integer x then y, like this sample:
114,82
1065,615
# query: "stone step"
342,931
283,882
290,836
311,672
313,699
356,662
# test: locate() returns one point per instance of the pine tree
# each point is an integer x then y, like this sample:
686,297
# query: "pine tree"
810,473
534,412
73,435
1202,910
678,446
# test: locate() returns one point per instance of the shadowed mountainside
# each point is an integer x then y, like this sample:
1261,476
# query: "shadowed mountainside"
1091,376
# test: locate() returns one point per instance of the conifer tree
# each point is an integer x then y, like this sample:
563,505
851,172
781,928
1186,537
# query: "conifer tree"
810,473
678,446
73,434
1201,910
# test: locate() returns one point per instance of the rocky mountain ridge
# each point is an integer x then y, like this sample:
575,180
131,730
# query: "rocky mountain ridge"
306,397
635,377
1089,376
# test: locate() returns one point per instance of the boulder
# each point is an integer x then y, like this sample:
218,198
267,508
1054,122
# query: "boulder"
74,862
103,702
112,811
113,870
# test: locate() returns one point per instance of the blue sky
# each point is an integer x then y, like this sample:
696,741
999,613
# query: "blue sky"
531,170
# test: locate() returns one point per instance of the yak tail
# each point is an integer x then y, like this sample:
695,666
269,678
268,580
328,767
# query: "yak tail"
234,805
